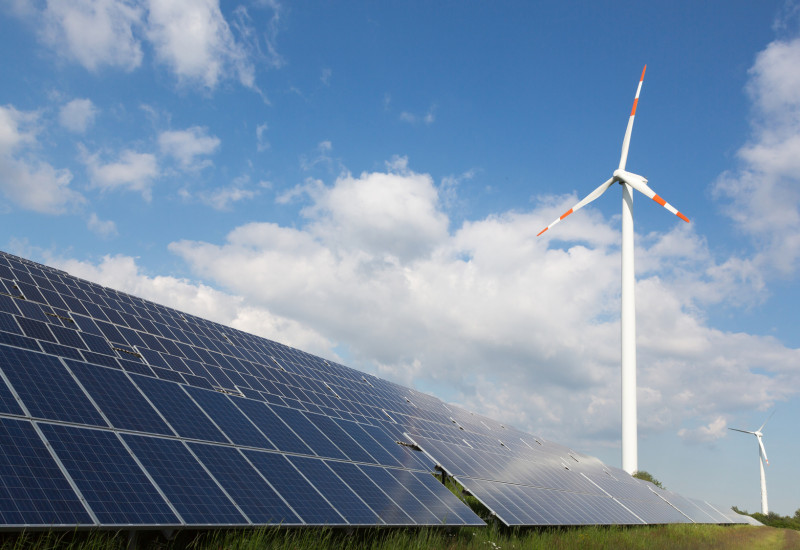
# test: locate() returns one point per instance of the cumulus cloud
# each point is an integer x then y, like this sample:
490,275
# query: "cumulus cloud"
763,196
714,430
187,145
95,33
132,170
102,228
77,115
195,41
489,316
223,198
26,180
191,38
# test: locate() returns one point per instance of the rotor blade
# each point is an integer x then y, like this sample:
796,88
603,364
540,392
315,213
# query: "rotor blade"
627,141
743,431
589,198
765,422
763,451
643,188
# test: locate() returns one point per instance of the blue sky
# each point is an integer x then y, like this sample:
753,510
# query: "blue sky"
366,181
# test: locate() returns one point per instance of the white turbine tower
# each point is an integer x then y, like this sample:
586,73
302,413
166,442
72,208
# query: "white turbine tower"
628,182
762,458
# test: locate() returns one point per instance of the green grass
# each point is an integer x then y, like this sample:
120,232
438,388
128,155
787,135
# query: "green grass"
668,537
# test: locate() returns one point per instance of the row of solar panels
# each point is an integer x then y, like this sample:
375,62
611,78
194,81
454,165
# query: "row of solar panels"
137,450
138,414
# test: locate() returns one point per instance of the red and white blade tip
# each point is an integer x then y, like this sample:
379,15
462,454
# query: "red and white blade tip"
638,90
669,207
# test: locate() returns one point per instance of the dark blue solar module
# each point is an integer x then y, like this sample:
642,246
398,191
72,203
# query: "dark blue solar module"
8,403
273,427
436,497
116,396
383,505
257,499
401,495
46,388
178,409
34,490
160,419
339,437
347,503
298,492
191,490
116,489
229,419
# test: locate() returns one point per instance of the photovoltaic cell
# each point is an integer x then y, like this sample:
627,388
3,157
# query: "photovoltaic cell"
379,501
304,499
340,438
8,403
282,437
247,488
33,491
441,503
195,495
309,433
118,398
114,486
347,503
46,387
229,418
407,501
36,329
177,407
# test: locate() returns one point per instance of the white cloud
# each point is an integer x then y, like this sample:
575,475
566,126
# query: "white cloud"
412,118
488,315
393,214
763,196
223,198
77,115
186,145
25,179
716,429
193,39
94,33
17,128
133,171
101,228
261,141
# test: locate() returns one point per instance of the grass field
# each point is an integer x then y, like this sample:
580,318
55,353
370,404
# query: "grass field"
668,537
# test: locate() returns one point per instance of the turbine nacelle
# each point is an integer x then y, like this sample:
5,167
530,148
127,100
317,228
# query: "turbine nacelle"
634,180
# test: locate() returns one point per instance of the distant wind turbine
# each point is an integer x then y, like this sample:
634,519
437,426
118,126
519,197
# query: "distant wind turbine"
762,458
627,181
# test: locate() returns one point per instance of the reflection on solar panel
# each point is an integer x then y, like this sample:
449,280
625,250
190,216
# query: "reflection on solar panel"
115,411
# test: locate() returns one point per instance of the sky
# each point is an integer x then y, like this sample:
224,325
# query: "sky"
365,181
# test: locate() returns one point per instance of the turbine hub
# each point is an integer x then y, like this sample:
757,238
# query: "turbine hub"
629,177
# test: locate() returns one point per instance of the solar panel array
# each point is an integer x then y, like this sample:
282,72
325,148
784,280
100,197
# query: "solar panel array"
119,412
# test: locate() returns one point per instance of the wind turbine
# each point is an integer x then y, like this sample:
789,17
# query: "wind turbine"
762,458
628,181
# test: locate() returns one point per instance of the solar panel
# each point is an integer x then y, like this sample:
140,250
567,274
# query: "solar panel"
189,487
34,491
115,411
257,499
108,477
